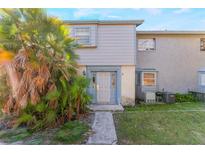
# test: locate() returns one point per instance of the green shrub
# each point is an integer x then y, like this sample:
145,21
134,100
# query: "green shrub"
70,99
185,98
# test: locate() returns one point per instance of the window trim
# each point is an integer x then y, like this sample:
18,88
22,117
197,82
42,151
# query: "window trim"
90,36
155,78
200,79
155,42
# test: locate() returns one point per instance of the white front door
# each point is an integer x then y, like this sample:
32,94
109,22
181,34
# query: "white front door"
103,87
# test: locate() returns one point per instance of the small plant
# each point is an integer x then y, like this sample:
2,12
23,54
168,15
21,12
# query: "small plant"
79,94
185,98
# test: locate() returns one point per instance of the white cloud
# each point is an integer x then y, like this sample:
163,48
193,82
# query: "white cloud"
183,10
113,17
83,13
154,11
96,13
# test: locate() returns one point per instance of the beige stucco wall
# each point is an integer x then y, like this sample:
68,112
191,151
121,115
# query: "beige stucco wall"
177,58
128,85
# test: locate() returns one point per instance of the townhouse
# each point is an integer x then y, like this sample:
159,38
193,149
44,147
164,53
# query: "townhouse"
124,64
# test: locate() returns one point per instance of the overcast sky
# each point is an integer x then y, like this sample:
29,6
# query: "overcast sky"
154,19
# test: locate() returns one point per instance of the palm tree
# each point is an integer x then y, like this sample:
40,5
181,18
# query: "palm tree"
43,53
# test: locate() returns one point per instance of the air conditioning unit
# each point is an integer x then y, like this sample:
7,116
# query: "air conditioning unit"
149,97
169,97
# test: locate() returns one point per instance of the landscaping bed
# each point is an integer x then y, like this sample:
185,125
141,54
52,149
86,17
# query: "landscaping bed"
72,132
41,87
162,124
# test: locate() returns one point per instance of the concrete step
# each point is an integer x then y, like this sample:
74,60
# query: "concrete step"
99,107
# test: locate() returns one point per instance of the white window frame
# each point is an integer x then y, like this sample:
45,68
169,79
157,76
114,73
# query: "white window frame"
77,36
146,48
155,78
202,79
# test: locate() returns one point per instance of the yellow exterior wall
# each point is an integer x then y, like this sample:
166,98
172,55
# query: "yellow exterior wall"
128,85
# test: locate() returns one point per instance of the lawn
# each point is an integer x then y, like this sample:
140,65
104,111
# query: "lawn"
168,107
182,123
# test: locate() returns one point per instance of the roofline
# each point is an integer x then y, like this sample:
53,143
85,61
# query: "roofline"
172,32
104,22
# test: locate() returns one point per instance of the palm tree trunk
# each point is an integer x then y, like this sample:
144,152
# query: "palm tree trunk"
13,78
69,114
78,108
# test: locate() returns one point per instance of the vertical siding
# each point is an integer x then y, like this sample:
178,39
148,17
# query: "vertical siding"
128,85
116,45
177,58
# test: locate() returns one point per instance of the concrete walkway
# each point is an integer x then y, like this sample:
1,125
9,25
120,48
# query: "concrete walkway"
104,129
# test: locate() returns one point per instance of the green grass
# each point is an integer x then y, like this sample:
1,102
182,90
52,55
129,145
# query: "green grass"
74,132
71,133
159,124
14,135
167,107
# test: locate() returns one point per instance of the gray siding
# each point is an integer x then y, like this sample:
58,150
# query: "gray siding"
177,59
116,45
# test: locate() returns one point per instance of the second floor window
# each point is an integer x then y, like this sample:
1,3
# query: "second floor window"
146,44
202,44
82,35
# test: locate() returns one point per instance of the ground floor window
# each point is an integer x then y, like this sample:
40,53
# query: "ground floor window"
202,79
148,78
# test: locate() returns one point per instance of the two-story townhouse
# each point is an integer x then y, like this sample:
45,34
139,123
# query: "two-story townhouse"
123,63
107,56
170,61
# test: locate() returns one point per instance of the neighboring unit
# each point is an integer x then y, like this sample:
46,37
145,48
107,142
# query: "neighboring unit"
170,61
